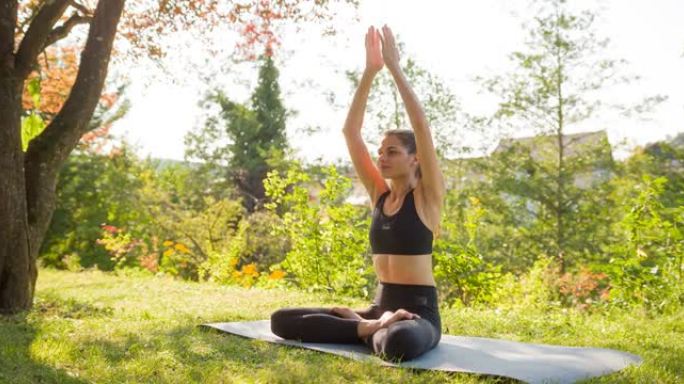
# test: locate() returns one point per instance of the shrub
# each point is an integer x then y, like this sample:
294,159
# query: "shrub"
460,271
646,266
584,289
537,289
328,237
226,268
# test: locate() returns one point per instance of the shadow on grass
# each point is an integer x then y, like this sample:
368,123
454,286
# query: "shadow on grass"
16,363
18,332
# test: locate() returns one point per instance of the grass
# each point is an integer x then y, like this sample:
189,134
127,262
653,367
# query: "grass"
106,328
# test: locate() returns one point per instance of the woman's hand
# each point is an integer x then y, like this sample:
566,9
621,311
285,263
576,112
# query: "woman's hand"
390,52
374,61
369,327
390,317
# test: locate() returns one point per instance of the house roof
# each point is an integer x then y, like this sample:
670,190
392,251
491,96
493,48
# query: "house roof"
574,144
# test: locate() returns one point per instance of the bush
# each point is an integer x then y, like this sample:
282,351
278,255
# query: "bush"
260,246
328,237
646,266
226,268
584,290
192,226
536,289
543,287
126,251
92,190
461,272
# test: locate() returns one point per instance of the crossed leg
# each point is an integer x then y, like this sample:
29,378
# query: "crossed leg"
318,325
402,340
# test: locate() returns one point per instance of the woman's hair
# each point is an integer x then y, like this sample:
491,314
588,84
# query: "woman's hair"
408,140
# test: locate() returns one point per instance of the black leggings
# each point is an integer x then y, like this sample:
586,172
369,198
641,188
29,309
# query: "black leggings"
402,340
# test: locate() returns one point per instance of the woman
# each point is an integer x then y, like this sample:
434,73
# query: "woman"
403,322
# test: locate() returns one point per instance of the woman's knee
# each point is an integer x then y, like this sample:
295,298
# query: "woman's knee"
281,323
403,342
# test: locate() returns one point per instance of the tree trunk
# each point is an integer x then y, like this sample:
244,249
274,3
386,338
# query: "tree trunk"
27,185
14,243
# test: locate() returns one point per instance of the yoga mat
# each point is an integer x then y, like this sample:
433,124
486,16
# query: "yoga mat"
532,363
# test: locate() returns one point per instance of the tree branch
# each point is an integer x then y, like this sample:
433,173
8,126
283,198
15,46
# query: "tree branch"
81,8
37,34
63,30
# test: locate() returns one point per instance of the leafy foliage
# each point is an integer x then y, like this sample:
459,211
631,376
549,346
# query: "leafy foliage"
93,190
461,270
646,267
328,236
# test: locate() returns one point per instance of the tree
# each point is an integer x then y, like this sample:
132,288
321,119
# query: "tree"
28,184
28,180
553,88
255,136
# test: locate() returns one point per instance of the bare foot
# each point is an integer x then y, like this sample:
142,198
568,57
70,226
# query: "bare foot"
366,328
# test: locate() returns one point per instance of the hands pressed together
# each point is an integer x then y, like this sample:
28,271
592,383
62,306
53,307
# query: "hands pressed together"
381,49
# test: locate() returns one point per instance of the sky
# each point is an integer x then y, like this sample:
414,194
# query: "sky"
454,40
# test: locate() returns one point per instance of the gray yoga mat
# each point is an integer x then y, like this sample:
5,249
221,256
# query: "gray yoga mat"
532,363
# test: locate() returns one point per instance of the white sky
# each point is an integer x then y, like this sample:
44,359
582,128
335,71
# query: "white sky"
455,40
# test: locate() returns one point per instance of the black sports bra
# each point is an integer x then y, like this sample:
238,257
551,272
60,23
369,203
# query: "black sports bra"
402,233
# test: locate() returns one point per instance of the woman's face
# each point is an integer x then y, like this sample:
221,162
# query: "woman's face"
393,158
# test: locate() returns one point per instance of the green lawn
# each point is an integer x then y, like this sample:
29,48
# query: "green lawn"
98,327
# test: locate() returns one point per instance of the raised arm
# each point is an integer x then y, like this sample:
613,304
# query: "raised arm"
431,175
368,172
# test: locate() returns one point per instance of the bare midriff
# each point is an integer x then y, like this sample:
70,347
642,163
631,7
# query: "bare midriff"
404,269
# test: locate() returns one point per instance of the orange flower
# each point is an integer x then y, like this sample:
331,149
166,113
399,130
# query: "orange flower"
250,269
276,275
182,248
